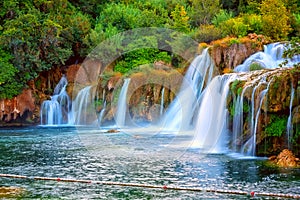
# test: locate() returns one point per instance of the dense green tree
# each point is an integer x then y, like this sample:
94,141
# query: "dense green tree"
202,11
275,19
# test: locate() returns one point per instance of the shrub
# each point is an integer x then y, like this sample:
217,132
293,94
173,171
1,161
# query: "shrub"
275,19
207,33
254,23
221,17
255,66
234,27
276,126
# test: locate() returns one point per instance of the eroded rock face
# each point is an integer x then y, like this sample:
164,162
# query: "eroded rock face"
11,109
226,55
286,158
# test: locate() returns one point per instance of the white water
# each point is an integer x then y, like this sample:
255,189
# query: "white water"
180,113
211,129
101,114
270,58
81,105
238,122
249,148
289,126
57,110
162,101
120,117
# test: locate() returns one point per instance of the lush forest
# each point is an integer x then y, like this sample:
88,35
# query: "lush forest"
40,34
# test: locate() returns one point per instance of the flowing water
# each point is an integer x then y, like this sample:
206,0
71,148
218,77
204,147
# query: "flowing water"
56,111
185,105
133,157
120,117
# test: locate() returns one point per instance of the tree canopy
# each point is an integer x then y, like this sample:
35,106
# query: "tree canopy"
38,35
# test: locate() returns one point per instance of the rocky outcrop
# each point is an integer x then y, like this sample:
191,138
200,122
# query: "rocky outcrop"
230,52
286,158
144,94
273,110
14,109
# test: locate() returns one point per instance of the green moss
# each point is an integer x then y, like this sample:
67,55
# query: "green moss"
276,126
255,66
237,86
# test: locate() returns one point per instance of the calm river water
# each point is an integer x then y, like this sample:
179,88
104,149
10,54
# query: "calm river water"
135,157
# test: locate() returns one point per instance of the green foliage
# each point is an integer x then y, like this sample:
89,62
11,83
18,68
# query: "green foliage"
140,57
275,19
237,86
221,17
201,12
179,19
254,23
9,87
276,126
207,33
255,66
234,27
293,49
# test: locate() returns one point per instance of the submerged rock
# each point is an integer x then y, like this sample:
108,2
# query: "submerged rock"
112,131
286,158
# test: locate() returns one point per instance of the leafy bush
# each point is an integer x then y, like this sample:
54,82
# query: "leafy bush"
254,23
276,126
275,19
234,27
207,33
221,17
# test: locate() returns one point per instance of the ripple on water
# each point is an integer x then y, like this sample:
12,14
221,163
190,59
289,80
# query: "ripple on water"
61,153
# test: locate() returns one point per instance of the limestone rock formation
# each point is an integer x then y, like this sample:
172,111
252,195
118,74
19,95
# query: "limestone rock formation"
286,158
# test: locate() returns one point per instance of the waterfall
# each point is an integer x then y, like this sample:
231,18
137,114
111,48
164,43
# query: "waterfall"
289,126
101,114
211,129
122,105
56,111
270,58
238,123
81,106
249,148
180,113
162,101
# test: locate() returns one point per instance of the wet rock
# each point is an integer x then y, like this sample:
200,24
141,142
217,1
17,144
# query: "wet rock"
112,131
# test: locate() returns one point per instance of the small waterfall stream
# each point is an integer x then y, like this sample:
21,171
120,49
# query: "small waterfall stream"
162,101
289,126
122,105
81,104
56,111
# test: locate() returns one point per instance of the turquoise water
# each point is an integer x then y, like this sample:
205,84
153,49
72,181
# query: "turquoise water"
129,157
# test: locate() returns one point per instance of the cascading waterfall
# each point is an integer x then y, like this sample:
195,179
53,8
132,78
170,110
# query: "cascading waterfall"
57,110
186,102
81,105
162,101
289,126
211,121
249,147
238,122
101,114
270,58
122,105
